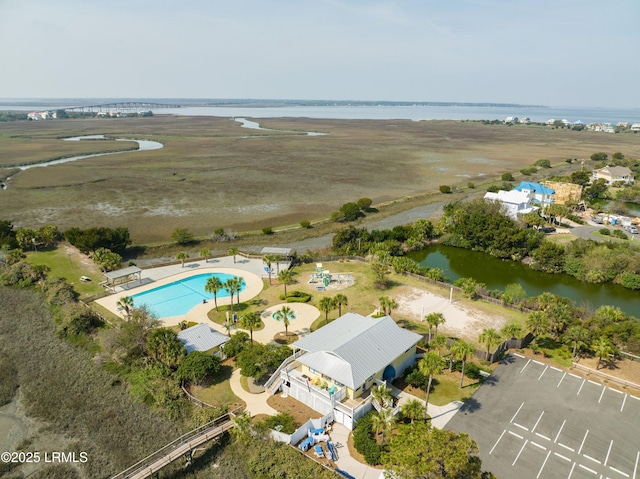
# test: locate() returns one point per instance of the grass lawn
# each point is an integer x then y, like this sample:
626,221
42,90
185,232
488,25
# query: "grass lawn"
444,388
67,263
218,392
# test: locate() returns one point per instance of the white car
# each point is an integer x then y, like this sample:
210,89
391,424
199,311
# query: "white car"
631,229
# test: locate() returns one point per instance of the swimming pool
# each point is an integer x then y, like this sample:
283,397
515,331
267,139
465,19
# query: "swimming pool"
179,297
275,316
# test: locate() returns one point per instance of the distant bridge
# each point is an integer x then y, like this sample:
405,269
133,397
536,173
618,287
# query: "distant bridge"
121,106
180,448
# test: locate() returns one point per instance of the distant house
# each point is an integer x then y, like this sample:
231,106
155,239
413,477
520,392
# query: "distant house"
514,202
613,174
538,194
334,368
604,127
635,127
201,338
550,122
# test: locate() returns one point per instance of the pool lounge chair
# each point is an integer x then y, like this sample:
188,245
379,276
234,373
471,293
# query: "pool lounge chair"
317,450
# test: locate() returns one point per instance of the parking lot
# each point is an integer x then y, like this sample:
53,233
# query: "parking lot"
533,420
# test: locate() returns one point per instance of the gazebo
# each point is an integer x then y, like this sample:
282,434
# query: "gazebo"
115,277
284,252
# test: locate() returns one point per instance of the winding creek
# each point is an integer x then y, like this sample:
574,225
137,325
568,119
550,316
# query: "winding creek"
497,273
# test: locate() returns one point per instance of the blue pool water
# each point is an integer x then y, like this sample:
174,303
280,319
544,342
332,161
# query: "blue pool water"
177,298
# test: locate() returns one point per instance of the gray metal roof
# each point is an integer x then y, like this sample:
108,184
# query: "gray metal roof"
121,273
201,338
273,250
353,347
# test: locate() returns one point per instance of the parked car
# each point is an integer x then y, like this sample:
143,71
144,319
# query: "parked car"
631,229
598,219
547,229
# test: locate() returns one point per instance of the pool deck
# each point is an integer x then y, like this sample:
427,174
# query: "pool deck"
253,272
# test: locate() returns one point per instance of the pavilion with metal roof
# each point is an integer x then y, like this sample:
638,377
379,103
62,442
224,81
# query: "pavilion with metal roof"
115,277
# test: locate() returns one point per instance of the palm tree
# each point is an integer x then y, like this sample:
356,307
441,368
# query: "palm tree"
438,343
340,301
269,259
286,315
577,336
429,365
434,319
242,426
602,347
285,277
490,337
231,285
511,330
213,285
326,305
181,256
387,304
250,321
537,323
240,283
205,253
413,409
462,350
383,421
233,251
382,394
276,259
126,303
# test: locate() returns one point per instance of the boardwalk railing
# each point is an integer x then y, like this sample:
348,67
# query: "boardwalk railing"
178,448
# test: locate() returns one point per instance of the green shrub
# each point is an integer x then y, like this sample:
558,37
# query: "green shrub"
620,234
631,280
471,185
306,224
364,443
445,189
507,177
604,231
296,297
283,422
268,230
543,163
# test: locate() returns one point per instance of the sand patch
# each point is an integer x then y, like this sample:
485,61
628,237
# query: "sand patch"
461,321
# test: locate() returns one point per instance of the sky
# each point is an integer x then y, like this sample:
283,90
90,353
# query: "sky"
581,53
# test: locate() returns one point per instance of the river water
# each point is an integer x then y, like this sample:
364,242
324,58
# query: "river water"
497,273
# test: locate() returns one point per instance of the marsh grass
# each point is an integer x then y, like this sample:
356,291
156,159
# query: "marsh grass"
209,176
62,386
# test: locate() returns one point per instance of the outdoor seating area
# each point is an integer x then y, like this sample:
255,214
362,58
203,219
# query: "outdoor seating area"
315,440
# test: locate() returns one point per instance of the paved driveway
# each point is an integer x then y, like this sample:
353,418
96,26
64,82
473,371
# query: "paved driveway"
534,421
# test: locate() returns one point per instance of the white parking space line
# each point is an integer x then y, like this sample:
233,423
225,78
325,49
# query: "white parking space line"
538,362
602,394
634,397
521,427
571,471
542,374
635,468
538,445
619,471
514,416
606,459
536,424
593,382
575,376
558,435
615,390
591,459
562,457
587,469
583,381
526,364
566,447
543,464
520,452
583,440
543,437
516,435
519,355
624,400
556,369
561,379
494,446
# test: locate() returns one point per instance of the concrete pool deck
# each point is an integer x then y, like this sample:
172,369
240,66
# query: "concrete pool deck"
251,270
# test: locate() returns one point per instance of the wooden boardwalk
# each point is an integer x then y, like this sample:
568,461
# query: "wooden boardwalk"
178,448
